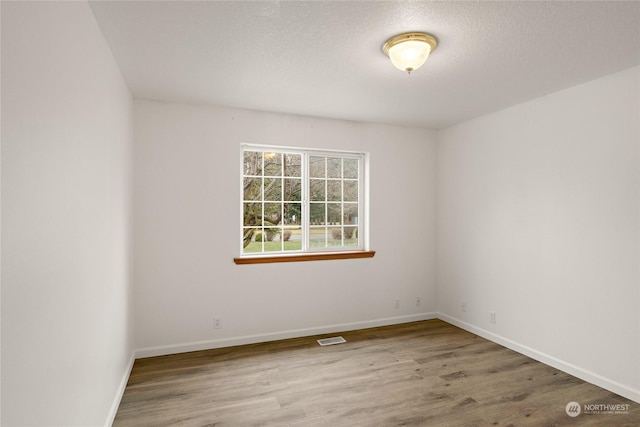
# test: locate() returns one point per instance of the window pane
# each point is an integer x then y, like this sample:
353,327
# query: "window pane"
334,168
351,168
272,239
273,189
317,213
334,191
252,163
317,237
292,239
292,190
292,165
292,213
351,236
334,213
350,191
273,164
252,188
272,214
316,190
249,240
252,214
350,213
316,167
335,236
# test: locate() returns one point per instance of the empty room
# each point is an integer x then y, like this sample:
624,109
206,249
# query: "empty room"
320,213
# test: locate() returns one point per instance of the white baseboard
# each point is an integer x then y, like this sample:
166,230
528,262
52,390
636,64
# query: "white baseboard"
274,336
569,368
120,392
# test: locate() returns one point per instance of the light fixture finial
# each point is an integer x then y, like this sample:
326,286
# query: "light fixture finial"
408,51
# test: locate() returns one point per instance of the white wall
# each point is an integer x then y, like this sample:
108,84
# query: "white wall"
66,153
538,209
186,232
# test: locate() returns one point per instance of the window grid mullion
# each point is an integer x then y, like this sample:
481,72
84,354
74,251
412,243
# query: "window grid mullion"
306,205
262,231
342,202
326,203
282,194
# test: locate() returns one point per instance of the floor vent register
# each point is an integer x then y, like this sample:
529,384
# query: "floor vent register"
331,341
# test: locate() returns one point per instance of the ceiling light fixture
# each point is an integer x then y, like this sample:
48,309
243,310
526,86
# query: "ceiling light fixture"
408,51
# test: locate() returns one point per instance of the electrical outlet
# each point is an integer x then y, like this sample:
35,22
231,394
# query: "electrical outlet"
217,323
418,301
492,316
397,303
463,306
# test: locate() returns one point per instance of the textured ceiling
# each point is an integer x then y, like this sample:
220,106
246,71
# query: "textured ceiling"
324,58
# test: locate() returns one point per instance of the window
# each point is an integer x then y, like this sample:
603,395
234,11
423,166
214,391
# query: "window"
301,201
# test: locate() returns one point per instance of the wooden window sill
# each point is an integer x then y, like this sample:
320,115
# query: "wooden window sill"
304,257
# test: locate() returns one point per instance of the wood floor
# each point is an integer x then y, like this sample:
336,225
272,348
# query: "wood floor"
416,374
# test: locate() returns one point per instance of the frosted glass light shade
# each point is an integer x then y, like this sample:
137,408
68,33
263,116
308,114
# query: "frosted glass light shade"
410,55
409,51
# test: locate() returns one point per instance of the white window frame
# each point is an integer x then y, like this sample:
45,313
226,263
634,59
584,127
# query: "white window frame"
362,222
